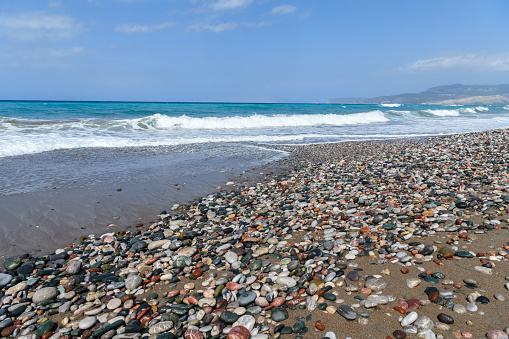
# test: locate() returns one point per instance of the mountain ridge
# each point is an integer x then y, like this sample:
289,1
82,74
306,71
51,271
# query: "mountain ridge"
456,94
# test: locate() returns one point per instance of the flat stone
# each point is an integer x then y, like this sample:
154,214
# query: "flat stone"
446,319
460,309
11,264
158,244
45,293
187,251
497,334
160,327
246,298
231,257
279,314
229,317
248,321
290,282
423,323
133,281
5,279
114,304
409,319
73,267
412,282
87,323
347,312
376,285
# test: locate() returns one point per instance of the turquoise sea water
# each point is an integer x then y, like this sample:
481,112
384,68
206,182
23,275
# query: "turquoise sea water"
35,127
73,168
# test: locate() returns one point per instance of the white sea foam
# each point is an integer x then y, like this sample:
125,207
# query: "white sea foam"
165,122
391,105
43,143
443,112
470,110
482,109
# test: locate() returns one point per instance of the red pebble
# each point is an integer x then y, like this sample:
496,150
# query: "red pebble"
414,303
193,334
232,286
8,331
192,300
403,304
239,332
433,296
404,270
319,325
399,309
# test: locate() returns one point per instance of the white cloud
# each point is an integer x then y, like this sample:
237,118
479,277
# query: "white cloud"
143,28
227,26
474,61
38,25
283,9
60,52
230,4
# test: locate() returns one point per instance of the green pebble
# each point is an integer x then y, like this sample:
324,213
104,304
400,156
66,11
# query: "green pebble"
438,275
431,280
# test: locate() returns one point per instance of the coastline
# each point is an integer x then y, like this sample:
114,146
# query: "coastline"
62,195
373,208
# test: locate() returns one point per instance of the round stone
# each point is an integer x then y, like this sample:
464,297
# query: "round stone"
446,319
287,281
12,263
114,304
246,298
87,323
399,334
247,321
231,257
74,267
45,293
423,323
347,312
409,319
5,279
229,317
375,284
279,314
133,281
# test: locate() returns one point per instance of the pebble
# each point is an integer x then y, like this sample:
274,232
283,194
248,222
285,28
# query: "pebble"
239,263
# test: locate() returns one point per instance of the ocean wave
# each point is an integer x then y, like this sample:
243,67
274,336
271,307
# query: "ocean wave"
391,105
184,122
165,122
482,109
443,112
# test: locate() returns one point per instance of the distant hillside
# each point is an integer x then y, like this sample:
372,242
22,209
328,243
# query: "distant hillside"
441,95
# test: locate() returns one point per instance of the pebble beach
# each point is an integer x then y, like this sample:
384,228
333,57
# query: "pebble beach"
394,239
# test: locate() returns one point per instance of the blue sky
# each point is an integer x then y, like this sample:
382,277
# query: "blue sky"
247,50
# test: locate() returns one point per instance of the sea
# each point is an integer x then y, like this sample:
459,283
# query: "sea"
59,161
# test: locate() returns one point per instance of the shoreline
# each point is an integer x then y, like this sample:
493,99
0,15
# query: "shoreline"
348,234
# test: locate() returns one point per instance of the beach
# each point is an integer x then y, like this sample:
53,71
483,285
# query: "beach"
393,239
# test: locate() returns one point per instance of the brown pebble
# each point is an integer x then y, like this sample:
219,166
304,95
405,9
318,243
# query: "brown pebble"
319,325
404,270
433,296
47,335
399,334
197,273
8,331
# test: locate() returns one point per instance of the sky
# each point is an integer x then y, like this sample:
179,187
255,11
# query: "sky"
247,50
